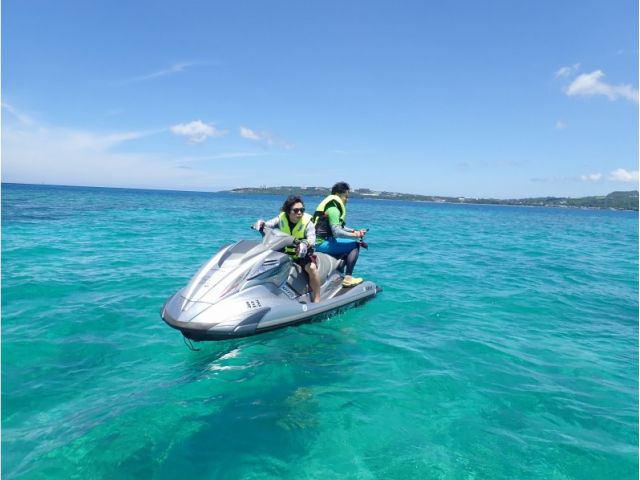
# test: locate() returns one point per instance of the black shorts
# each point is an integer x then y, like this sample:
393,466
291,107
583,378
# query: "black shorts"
304,261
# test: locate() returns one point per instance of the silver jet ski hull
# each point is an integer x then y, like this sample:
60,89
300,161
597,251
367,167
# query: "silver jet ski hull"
250,288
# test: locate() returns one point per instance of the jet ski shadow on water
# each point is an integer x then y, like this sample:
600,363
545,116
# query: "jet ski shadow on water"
251,287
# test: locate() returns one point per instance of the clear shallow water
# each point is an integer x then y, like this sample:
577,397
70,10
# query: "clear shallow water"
504,345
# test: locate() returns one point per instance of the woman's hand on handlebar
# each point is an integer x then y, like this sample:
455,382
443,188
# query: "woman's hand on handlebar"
259,225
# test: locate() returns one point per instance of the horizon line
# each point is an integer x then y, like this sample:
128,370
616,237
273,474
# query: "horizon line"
160,189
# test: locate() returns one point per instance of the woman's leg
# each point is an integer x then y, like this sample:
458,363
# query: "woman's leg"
314,281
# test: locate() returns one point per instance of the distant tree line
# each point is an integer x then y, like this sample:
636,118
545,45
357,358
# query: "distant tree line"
615,200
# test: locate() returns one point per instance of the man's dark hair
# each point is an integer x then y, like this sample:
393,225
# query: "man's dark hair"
340,188
290,202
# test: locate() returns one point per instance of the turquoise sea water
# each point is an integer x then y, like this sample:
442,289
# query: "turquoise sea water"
504,345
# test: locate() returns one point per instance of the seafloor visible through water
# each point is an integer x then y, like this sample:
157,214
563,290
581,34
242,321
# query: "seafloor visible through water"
504,345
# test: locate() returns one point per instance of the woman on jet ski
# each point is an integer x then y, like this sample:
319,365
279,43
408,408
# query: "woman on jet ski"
295,222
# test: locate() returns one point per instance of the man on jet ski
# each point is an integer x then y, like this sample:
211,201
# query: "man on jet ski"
334,237
293,221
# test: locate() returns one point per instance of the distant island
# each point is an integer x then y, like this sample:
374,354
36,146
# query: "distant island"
615,200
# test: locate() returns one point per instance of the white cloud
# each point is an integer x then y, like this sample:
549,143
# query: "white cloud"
560,125
174,69
251,135
21,117
341,151
592,177
590,84
617,175
568,71
53,155
264,137
221,156
622,175
197,131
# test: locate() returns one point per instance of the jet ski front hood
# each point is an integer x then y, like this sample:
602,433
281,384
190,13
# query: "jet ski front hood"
230,268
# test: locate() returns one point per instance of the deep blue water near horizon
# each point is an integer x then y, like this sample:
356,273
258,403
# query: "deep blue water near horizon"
504,345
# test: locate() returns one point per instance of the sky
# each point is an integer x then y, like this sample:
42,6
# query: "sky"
501,98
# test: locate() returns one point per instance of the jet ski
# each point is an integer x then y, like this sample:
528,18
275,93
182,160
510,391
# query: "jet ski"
251,287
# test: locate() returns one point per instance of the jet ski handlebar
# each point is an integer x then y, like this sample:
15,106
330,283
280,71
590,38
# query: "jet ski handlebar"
274,238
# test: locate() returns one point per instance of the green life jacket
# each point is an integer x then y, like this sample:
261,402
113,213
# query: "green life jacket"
299,230
323,229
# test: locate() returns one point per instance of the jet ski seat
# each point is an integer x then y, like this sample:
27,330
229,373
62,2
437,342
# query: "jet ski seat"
327,264
299,280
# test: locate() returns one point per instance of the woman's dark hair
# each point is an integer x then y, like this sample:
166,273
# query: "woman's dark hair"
290,202
340,188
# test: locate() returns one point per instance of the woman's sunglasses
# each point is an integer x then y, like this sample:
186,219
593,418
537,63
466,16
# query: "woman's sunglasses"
297,210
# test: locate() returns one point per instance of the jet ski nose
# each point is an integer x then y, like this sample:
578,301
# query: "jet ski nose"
187,321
